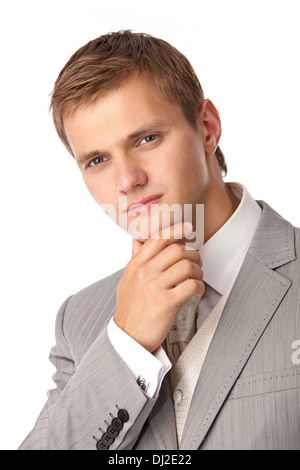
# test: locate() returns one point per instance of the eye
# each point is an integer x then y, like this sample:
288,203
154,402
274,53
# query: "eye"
148,139
96,162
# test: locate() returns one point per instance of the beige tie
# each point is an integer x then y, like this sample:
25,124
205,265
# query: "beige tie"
183,329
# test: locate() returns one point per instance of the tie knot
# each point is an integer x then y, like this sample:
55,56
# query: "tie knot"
183,328
188,308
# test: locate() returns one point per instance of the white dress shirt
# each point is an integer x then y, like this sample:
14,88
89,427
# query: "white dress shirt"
222,256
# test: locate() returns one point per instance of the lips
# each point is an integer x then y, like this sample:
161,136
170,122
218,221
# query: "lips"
143,205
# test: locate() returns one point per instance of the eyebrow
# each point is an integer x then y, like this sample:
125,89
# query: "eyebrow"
144,129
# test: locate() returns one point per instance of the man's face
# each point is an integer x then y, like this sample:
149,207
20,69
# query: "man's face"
139,145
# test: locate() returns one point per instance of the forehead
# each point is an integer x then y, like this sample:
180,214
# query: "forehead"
119,113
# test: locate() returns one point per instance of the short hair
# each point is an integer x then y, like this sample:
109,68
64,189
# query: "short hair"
107,62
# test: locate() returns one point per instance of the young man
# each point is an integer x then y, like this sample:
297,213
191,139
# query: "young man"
132,372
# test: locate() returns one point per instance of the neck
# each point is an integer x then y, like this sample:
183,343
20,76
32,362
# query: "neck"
220,205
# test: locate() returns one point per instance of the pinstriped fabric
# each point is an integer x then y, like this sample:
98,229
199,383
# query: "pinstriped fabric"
83,355
253,338
82,330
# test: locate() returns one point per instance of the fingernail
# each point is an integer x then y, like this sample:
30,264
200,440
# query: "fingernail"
188,228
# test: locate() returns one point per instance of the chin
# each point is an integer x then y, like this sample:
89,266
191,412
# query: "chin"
148,226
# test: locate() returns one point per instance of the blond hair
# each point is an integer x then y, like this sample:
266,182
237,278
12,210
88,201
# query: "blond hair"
105,63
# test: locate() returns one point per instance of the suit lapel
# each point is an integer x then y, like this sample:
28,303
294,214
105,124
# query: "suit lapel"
253,301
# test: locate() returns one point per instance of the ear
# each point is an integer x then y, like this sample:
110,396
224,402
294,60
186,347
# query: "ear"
210,125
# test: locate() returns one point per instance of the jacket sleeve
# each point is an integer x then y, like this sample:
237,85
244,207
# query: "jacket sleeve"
88,396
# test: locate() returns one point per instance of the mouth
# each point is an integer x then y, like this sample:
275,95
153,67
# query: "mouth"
143,206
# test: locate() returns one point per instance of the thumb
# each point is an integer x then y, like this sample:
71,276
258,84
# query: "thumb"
136,246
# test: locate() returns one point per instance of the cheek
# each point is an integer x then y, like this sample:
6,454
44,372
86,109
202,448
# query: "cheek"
193,165
97,189
182,164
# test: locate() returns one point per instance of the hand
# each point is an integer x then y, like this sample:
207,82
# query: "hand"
148,296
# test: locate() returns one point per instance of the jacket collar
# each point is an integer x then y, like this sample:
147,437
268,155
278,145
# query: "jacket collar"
254,299
273,244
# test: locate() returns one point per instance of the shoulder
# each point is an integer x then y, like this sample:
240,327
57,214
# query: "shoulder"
297,238
97,291
88,311
297,252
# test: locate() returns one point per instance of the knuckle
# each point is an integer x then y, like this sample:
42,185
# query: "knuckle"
199,260
195,256
141,272
158,241
202,287
177,250
186,266
198,273
194,284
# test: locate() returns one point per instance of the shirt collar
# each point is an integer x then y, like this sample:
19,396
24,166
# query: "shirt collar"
223,254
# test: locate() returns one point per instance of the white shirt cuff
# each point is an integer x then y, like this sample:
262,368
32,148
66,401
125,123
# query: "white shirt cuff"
151,367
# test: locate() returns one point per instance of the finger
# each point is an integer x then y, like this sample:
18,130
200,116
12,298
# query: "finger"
171,255
165,237
187,289
136,246
180,272
176,231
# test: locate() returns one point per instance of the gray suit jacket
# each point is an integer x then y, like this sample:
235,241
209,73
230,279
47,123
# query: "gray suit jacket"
248,392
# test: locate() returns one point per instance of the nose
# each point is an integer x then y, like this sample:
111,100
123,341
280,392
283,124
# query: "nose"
129,175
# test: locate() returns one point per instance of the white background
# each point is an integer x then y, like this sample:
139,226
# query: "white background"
54,238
